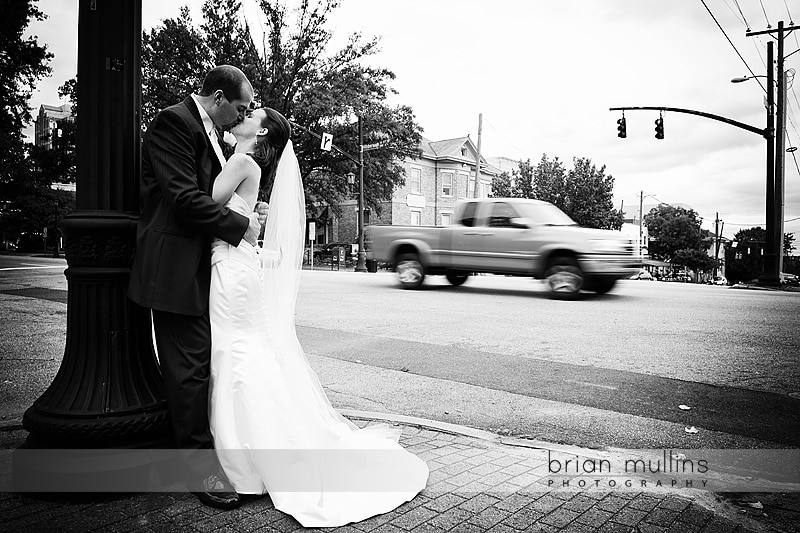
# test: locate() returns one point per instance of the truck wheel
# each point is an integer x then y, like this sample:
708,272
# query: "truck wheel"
564,277
456,278
603,286
410,271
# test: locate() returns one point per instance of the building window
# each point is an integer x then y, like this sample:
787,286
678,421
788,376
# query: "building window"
447,184
471,186
415,180
416,217
463,177
447,219
464,151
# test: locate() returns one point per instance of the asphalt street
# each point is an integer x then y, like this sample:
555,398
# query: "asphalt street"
497,354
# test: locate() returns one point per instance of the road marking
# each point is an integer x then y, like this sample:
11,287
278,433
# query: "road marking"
31,267
587,384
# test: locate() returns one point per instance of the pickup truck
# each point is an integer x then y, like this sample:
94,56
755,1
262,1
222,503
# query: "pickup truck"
507,236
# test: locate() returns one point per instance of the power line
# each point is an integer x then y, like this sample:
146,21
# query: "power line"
766,17
731,43
521,152
791,22
741,18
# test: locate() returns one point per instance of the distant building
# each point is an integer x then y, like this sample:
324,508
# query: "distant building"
435,182
48,123
639,235
504,164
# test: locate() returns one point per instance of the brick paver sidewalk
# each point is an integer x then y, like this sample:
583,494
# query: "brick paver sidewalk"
476,485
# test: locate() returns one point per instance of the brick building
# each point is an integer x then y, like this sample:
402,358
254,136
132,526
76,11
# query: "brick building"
48,121
435,182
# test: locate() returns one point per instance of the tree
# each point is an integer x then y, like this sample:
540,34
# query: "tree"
672,229
550,178
584,192
296,76
788,243
588,196
694,259
229,40
174,59
24,61
501,186
523,181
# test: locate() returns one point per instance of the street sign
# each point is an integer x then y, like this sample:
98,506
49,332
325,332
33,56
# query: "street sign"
327,142
372,146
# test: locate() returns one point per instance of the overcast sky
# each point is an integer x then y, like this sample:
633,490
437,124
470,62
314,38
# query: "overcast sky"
544,74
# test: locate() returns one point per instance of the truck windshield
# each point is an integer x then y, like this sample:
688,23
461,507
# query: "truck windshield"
546,214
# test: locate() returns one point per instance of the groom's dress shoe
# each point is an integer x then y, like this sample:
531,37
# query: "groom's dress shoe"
216,491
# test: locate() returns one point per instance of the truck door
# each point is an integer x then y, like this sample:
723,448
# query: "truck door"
467,238
506,244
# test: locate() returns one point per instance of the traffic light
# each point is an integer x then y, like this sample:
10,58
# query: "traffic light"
621,128
660,128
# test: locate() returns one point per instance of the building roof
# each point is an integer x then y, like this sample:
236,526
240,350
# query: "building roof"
451,150
62,111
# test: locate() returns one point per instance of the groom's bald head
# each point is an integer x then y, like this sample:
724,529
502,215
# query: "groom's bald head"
227,78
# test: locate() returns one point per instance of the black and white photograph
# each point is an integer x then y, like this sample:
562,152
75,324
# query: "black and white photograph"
384,266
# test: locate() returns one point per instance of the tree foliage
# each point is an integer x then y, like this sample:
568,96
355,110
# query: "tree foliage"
589,196
175,58
584,192
672,229
24,61
293,71
758,236
693,259
501,186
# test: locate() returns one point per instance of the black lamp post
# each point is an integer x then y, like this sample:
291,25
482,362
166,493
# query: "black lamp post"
361,265
108,392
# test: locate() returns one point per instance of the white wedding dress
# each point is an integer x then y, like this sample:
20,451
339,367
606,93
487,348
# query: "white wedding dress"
274,428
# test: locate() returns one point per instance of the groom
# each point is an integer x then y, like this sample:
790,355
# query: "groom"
171,272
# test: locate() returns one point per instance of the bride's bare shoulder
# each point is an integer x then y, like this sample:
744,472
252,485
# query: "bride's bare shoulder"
243,162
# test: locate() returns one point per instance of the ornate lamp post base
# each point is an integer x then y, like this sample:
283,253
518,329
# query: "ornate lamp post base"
108,392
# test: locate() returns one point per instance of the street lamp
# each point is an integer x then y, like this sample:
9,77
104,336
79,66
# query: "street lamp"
740,79
361,265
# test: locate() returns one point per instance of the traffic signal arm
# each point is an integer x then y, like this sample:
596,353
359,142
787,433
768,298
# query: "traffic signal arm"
764,132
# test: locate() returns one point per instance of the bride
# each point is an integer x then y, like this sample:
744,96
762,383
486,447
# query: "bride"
274,428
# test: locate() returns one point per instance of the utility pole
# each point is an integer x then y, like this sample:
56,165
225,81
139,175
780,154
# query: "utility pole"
478,158
773,254
780,151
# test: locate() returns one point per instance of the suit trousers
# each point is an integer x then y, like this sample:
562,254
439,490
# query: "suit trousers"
184,353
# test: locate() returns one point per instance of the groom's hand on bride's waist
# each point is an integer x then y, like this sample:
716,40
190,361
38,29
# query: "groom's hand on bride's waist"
253,230
257,220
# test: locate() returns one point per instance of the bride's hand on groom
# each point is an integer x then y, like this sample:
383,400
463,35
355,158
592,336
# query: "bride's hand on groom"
262,210
257,220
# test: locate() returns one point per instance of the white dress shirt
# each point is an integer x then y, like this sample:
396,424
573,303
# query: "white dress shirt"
208,124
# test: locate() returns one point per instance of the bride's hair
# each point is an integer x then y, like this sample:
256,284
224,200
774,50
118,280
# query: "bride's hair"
269,147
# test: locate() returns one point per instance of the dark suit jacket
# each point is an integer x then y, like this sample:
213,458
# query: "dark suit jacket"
172,268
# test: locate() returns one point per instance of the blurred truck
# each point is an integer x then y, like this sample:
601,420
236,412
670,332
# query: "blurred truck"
507,236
